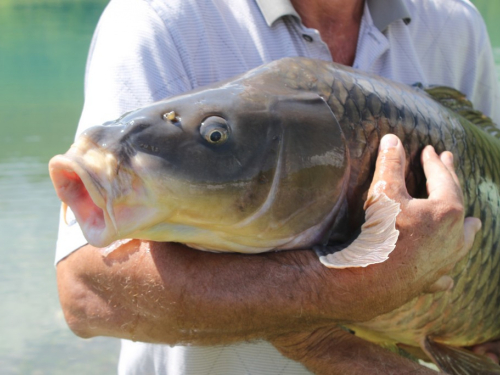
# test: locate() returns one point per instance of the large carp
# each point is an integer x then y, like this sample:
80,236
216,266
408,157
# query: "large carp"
282,157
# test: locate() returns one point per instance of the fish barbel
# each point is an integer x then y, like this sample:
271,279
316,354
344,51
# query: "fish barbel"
282,157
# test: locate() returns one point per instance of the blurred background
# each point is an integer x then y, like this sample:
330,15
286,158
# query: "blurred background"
43,48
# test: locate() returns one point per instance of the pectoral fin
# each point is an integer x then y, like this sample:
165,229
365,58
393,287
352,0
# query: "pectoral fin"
375,242
458,361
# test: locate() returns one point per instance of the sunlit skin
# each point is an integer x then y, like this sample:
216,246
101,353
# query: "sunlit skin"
338,23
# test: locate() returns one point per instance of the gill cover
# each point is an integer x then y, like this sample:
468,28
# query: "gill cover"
311,174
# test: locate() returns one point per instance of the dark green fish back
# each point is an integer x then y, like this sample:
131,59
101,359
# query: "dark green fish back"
367,107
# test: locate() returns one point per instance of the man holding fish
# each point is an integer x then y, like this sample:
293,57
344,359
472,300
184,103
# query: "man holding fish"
161,294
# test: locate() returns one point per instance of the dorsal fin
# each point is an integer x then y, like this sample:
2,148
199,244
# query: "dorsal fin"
458,102
449,97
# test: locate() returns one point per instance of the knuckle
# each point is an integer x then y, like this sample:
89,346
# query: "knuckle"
449,212
456,211
393,162
390,160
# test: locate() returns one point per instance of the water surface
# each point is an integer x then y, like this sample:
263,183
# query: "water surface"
43,47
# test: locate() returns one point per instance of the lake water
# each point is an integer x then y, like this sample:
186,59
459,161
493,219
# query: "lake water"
43,47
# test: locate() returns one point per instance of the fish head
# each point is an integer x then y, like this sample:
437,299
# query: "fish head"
231,167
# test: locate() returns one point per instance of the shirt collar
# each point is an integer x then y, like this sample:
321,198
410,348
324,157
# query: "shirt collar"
272,10
383,12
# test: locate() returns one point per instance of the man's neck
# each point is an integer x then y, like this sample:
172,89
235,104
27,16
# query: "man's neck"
338,22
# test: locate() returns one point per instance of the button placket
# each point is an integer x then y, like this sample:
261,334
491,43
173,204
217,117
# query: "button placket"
307,38
315,46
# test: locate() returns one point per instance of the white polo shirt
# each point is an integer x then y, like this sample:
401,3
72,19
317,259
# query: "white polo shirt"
146,50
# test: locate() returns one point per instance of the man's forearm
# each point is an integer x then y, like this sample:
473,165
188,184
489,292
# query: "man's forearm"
206,296
171,294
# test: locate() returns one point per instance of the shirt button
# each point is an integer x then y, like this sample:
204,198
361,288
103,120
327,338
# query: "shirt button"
307,38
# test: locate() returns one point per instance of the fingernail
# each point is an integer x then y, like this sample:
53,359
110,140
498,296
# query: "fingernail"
447,156
478,224
388,141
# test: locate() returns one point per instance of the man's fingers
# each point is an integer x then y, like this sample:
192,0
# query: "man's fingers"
471,227
443,284
389,170
439,184
447,159
489,349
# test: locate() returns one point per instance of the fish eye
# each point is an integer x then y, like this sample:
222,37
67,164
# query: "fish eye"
215,130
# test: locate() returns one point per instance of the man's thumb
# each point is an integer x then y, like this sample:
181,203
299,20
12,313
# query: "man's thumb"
389,175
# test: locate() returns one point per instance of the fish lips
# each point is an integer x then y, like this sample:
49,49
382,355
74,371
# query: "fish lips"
82,191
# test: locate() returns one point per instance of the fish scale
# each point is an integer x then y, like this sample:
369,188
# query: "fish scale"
295,163
469,313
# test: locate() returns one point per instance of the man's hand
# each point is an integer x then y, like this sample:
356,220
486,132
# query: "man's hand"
433,232
489,349
331,350
433,236
168,293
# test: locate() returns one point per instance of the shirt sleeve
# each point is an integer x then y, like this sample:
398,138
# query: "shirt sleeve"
132,61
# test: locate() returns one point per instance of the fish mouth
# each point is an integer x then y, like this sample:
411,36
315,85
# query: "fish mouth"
82,190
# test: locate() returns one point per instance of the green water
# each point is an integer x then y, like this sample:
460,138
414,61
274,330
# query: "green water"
43,47
490,9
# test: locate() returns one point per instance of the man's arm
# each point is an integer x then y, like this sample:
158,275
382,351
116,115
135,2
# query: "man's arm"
168,293
331,350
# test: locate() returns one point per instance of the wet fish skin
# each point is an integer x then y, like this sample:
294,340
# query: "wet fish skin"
366,110
240,193
363,109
